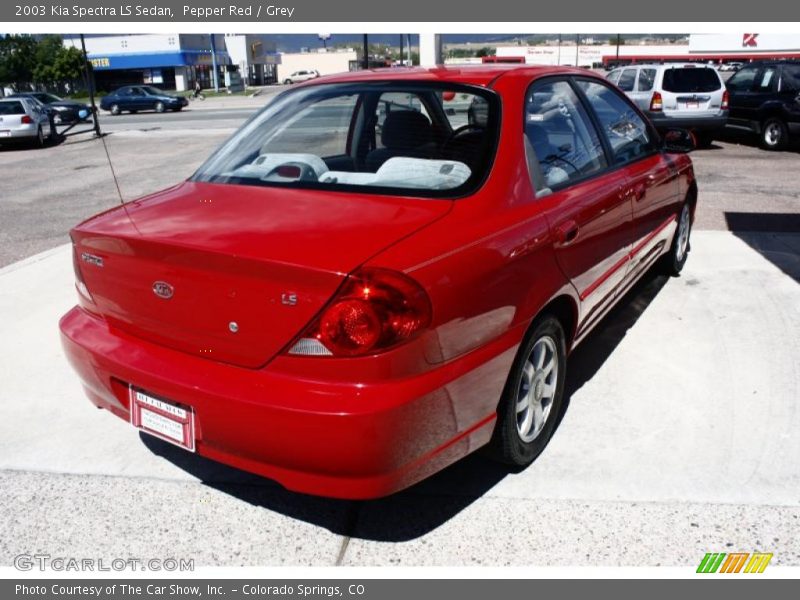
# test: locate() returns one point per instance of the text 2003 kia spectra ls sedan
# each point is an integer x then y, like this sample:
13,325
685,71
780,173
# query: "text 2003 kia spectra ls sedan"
379,273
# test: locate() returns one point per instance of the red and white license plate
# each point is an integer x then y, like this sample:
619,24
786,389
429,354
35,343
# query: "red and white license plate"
171,422
692,104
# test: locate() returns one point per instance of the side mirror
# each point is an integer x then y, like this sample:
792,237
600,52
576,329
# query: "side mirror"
679,141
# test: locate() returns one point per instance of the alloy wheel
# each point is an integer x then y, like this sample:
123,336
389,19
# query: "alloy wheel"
537,389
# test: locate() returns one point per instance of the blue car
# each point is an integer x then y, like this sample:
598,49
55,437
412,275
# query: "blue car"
134,98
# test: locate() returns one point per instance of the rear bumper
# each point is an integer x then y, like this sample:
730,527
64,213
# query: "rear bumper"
335,439
663,122
23,132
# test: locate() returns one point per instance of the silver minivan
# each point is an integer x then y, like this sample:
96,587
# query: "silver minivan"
688,96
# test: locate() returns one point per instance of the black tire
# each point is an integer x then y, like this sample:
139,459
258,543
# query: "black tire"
287,82
774,134
672,262
508,444
133,112
115,109
39,141
159,107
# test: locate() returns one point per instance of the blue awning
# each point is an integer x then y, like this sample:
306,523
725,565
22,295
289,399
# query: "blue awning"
149,60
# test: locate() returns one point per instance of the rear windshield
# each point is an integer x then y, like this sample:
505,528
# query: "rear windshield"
691,80
430,140
11,108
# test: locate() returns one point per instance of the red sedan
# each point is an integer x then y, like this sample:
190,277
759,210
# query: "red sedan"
379,273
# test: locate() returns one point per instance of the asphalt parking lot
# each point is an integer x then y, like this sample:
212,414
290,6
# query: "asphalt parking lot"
679,437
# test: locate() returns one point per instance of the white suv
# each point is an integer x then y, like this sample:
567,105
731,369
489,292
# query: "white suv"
299,76
689,96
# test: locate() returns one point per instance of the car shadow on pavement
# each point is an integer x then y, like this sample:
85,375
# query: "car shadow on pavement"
431,503
747,138
776,236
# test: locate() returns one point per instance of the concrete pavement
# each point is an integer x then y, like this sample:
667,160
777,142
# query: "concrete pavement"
679,439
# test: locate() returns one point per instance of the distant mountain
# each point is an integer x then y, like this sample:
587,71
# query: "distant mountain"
295,42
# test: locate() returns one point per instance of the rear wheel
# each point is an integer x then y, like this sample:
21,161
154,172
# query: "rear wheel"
287,82
115,110
774,134
674,260
533,396
39,137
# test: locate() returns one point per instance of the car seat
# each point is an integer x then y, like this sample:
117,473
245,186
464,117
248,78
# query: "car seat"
404,133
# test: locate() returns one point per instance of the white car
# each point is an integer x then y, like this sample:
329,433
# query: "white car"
299,76
24,119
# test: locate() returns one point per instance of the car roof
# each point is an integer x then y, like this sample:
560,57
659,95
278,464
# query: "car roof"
483,75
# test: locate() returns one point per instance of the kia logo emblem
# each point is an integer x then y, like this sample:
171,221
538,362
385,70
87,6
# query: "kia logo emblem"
163,290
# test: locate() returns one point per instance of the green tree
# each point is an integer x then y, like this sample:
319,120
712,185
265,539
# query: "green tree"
17,60
56,63
485,51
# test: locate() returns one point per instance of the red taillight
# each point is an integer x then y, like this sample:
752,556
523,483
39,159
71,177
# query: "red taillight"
725,98
26,120
656,103
375,310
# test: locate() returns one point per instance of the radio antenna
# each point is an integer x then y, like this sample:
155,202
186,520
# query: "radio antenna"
95,112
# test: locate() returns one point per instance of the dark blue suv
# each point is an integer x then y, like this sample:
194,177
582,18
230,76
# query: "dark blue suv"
764,98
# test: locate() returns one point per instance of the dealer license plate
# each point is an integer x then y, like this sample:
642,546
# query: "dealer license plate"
171,422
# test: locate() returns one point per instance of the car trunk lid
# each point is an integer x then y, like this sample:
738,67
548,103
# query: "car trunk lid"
234,273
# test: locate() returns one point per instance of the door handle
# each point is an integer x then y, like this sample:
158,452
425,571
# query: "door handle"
639,190
567,231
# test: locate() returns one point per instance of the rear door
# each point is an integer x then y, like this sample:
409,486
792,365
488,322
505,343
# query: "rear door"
642,92
588,210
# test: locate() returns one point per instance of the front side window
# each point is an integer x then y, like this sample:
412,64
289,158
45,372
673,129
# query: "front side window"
626,131
386,137
560,133
790,78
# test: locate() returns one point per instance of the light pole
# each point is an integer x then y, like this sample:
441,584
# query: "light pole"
214,74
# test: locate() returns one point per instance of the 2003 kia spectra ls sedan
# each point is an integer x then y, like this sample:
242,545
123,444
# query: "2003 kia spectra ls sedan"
379,273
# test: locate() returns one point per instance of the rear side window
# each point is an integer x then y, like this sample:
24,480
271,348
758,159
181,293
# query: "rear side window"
647,78
742,81
11,108
626,131
766,79
691,80
627,79
561,134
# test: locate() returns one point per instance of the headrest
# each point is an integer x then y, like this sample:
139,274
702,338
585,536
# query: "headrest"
405,129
